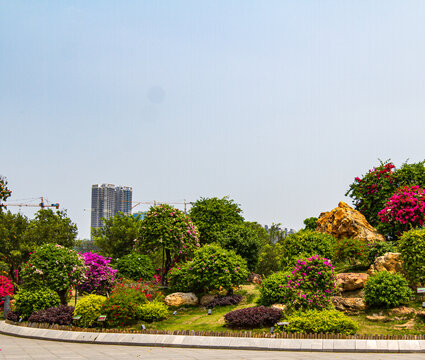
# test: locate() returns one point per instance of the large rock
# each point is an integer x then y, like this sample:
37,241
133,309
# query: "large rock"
345,222
402,311
390,262
351,281
179,299
281,307
350,305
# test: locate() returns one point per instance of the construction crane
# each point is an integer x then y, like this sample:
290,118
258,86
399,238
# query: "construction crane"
137,203
42,204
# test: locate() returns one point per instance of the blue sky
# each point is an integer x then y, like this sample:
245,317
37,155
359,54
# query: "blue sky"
277,104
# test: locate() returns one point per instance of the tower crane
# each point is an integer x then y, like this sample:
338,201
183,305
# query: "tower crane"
137,203
42,204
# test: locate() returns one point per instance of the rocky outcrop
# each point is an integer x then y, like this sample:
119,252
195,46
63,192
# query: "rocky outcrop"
351,281
206,299
179,299
402,311
345,222
281,307
390,262
255,279
350,305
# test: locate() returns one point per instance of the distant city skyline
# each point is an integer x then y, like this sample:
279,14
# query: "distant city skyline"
277,104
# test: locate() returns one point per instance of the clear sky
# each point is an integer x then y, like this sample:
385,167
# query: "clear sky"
277,104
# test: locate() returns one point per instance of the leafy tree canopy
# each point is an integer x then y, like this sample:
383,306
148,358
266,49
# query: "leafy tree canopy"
52,227
212,215
4,190
118,235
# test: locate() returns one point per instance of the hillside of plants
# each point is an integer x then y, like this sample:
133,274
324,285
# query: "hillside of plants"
210,269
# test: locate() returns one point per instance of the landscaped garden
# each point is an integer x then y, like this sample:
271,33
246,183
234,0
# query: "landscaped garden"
350,271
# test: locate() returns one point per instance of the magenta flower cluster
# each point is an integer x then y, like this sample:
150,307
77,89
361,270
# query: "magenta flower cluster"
406,207
312,282
6,288
100,276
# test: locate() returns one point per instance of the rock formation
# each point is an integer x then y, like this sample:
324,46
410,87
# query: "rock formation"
351,281
390,262
179,299
345,222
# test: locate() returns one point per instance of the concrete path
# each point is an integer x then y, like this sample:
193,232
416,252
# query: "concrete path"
30,349
216,343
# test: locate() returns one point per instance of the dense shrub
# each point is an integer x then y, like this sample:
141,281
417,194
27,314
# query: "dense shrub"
384,289
412,249
212,268
121,309
352,251
6,288
61,315
12,316
253,317
136,292
100,276
243,240
55,267
380,248
269,259
29,301
135,266
153,311
306,243
274,289
89,307
321,321
224,301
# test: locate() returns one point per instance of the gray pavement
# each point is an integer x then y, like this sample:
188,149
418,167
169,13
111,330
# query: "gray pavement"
21,348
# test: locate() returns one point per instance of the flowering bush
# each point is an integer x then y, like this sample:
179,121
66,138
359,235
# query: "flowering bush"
170,231
6,288
29,301
252,317
140,291
121,308
135,266
154,311
405,209
212,268
312,282
61,315
275,290
55,267
99,276
90,308
306,243
384,289
351,250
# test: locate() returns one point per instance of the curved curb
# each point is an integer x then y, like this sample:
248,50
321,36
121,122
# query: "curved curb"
211,342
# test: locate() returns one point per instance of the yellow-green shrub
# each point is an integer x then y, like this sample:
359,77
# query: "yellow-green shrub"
89,307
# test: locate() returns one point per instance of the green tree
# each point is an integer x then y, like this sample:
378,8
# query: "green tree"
4,191
118,235
242,239
52,227
276,234
310,223
55,267
169,231
212,215
269,259
15,245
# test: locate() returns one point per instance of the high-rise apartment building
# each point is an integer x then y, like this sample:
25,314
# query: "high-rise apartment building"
107,200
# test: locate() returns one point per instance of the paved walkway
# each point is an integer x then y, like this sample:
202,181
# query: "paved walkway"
30,349
75,340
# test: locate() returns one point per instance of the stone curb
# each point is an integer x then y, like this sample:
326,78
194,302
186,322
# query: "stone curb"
212,342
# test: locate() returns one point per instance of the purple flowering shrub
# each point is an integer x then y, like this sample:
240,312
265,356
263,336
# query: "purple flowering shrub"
100,276
308,286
